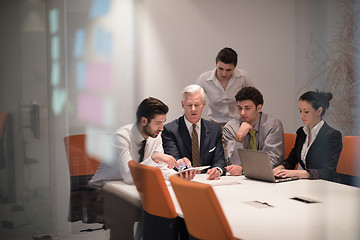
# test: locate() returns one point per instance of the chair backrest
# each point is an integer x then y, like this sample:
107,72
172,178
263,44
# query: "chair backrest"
80,163
349,159
154,194
289,142
202,212
3,120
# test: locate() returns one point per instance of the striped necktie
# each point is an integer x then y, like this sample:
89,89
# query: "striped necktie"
195,147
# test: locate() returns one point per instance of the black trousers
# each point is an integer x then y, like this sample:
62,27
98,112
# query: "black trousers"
159,228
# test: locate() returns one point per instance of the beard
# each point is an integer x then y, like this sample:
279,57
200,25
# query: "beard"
147,131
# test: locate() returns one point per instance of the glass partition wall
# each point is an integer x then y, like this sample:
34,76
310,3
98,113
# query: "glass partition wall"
25,195
66,69
91,84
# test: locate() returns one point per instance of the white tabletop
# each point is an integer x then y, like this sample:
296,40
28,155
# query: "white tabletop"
336,216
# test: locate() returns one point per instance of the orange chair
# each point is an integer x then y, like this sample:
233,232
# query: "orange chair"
3,120
202,212
7,158
3,123
289,142
80,163
350,157
86,201
160,217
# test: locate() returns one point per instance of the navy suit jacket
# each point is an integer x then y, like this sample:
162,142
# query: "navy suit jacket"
177,142
323,155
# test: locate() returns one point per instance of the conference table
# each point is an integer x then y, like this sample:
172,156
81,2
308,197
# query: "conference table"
263,210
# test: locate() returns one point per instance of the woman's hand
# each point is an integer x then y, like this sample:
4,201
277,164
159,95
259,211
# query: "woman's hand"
284,173
277,169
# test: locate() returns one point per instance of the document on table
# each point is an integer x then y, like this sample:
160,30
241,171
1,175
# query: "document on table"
224,180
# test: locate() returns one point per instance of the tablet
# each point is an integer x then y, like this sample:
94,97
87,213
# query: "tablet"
194,168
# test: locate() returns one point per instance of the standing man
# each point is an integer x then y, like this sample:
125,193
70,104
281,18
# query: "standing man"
141,142
221,84
253,130
195,138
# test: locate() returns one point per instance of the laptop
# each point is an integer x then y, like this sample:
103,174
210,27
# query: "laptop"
257,165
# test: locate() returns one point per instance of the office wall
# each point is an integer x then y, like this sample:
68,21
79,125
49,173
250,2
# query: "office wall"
178,40
325,55
282,44
173,42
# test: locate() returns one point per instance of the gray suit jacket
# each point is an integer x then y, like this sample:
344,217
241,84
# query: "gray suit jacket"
269,138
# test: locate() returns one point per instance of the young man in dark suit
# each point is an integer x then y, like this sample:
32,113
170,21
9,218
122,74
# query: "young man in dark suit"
195,138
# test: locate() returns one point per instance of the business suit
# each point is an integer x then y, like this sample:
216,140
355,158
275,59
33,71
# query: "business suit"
323,154
269,138
177,142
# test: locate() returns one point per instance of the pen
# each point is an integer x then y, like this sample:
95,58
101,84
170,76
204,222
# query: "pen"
264,203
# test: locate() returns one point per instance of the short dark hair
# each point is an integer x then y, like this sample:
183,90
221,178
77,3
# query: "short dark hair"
317,99
250,93
149,107
227,55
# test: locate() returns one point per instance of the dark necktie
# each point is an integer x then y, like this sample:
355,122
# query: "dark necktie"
252,143
142,150
195,147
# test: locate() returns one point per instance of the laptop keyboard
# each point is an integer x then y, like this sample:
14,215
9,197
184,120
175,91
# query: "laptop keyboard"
280,179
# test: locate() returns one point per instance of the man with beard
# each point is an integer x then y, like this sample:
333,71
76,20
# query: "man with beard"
141,142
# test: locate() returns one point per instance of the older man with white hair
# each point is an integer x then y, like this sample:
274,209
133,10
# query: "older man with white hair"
195,138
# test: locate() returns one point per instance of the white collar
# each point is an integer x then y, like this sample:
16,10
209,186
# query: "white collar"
137,135
189,125
235,74
315,130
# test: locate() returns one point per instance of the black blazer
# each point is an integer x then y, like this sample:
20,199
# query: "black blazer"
323,155
177,142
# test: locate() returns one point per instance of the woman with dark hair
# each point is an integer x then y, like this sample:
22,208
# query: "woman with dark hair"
317,146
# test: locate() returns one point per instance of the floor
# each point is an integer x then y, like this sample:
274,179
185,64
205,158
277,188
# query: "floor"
14,230
22,234
95,235
30,217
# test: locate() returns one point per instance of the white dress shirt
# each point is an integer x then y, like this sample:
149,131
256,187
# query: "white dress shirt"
127,143
221,103
313,132
189,126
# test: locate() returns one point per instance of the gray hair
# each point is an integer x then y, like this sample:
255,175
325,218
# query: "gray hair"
192,89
